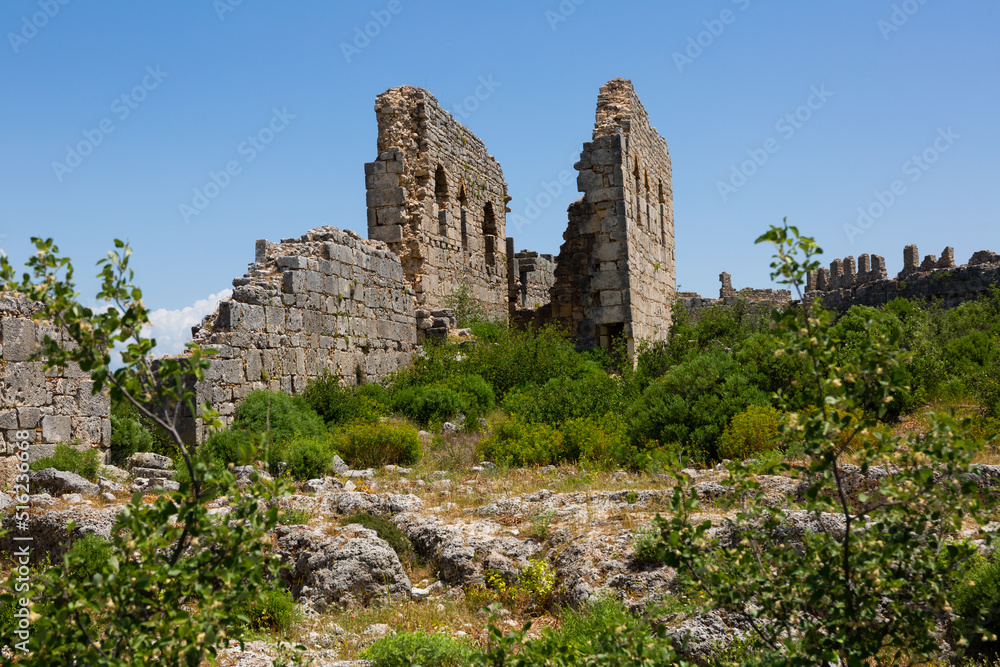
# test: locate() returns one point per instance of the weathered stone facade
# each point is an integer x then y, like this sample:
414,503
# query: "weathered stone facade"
326,301
845,284
56,407
531,277
615,274
439,200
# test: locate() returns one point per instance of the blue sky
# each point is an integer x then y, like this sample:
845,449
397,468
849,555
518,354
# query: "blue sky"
896,81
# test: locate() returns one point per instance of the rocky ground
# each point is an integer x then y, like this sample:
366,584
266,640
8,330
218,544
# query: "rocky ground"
352,587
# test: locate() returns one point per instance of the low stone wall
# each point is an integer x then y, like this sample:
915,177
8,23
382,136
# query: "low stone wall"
326,301
56,407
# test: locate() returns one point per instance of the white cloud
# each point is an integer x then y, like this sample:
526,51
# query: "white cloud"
172,328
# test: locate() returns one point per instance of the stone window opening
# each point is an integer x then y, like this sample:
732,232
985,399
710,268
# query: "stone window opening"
490,233
638,183
649,214
663,222
463,202
441,197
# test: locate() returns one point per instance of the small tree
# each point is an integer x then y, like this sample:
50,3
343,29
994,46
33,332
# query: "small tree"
177,575
873,581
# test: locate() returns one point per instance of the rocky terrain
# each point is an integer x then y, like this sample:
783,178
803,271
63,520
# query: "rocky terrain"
352,587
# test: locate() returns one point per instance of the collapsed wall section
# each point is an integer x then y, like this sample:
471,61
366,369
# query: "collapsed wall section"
51,407
439,200
848,283
615,274
326,301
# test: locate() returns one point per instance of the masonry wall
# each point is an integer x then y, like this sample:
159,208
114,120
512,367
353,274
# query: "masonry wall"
615,272
439,200
848,283
533,276
55,407
325,301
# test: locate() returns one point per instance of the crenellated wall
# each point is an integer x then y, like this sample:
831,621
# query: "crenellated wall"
845,284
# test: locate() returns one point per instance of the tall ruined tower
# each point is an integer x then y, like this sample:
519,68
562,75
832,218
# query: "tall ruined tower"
439,200
615,275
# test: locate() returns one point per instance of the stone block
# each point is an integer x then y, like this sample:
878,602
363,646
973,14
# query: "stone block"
18,339
388,234
57,429
386,197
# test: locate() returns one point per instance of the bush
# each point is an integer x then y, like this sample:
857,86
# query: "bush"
387,531
517,442
367,445
601,441
307,458
337,404
692,405
67,458
276,612
752,432
975,597
87,557
592,394
419,648
644,544
429,405
128,436
284,417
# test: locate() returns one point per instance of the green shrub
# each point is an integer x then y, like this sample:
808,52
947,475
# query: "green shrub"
419,648
476,392
88,556
276,612
387,531
368,445
307,458
692,405
83,463
975,598
468,309
517,442
429,405
284,417
602,633
644,543
599,440
592,394
227,446
339,404
128,436
752,432
294,517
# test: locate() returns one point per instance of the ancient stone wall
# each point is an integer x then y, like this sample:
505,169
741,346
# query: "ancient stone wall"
729,296
615,273
439,201
866,283
55,407
532,276
326,301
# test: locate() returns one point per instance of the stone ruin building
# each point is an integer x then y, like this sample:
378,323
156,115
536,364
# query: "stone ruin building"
437,203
